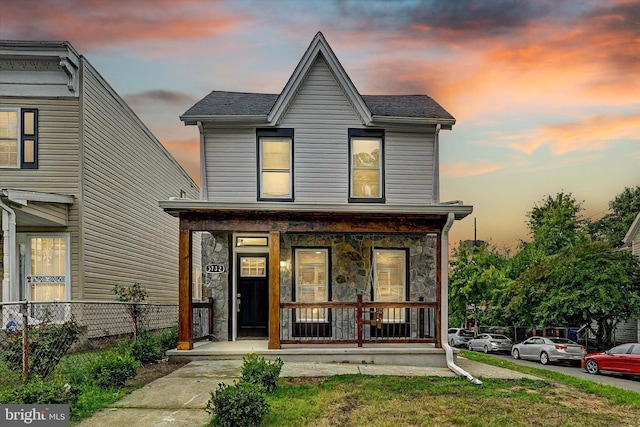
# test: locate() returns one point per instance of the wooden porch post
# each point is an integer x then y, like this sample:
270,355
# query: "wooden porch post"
274,290
185,308
439,287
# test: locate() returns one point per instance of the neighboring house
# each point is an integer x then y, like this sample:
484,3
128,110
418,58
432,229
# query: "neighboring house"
80,180
630,330
314,196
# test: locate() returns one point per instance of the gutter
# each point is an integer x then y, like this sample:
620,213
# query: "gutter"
444,310
9,250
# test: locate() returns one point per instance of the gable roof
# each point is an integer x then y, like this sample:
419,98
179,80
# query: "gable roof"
268,109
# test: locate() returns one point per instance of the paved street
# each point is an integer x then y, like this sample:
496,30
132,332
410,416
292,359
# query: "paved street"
624,382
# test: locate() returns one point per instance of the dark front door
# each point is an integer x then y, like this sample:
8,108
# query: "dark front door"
253,296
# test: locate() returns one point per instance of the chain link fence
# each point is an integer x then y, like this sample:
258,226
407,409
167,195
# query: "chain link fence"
35,336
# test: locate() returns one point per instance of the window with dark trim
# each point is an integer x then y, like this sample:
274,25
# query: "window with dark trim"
366,165
275,164
19,138
311,284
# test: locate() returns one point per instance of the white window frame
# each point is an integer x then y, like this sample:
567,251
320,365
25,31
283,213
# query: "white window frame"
17,111
323,315
367,134
399,315
67,283
274,135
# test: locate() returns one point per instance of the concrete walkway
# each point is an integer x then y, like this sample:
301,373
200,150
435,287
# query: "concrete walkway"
179,398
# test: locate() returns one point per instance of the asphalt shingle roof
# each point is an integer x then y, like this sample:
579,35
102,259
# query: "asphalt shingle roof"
220,103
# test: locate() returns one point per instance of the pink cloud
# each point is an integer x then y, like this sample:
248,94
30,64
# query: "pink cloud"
591,134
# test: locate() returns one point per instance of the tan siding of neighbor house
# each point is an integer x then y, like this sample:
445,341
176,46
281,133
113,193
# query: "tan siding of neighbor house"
58,161
128,238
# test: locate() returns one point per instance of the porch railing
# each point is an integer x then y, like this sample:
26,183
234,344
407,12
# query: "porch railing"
203,320
358,322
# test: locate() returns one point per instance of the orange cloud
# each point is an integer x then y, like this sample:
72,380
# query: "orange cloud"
462,169
96,23
591,134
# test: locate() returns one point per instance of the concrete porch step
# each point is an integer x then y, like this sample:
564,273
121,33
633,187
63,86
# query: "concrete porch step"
425,355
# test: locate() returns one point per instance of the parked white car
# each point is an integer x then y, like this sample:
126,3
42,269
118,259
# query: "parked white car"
548,350
490,343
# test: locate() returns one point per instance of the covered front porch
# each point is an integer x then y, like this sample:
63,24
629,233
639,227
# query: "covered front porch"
354,322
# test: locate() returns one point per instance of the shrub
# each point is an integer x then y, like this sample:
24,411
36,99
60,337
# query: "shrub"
38,391
256,370
168,338
240,404
47,344
145,349
113,370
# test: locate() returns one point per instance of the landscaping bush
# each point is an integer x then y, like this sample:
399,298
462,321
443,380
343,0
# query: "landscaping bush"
47,344
257,370
241,404
113,370
146,349
37,391
168,338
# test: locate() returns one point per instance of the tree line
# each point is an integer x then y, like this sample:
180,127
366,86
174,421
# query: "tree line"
573,271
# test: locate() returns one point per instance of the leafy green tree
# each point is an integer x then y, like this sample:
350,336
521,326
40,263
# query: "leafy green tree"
476,271
613,226
556,223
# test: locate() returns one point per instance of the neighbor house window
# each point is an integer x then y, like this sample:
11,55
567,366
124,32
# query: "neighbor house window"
275,164
366,165
311,282
19,138
48,268
390,281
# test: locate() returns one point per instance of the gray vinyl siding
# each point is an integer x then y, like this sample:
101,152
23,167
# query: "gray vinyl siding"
128,238
320,115
231,164
58,158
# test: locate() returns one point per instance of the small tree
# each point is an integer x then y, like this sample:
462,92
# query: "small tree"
135,295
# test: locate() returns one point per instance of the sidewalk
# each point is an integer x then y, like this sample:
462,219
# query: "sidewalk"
179,398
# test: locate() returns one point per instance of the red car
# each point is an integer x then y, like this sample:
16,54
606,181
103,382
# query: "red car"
624,359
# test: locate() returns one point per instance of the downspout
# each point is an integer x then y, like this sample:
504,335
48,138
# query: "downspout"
444,310
204,186
9,250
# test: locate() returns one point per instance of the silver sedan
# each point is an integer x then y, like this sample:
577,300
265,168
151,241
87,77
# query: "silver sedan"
490,343
548,349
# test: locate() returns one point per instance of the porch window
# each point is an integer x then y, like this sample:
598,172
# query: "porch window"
275,164
366,168
48,268
311,283
19,138
390,282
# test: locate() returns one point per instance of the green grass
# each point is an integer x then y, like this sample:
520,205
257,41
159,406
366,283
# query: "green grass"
612,394
361,400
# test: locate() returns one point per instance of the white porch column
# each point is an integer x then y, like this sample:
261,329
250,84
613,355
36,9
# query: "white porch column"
10,277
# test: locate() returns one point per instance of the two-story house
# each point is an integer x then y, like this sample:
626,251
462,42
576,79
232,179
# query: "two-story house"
80,180
320,212
631,241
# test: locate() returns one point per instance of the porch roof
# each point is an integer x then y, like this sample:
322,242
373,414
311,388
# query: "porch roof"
175,207
38,209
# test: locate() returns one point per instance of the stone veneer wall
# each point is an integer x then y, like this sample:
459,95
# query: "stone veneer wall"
351,257
215,250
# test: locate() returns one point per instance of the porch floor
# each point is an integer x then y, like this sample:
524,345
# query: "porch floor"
426,355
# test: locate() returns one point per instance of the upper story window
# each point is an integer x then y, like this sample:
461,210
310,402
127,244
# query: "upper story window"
275,164
366,165
19,138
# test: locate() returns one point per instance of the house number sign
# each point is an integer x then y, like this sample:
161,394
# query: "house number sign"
214,268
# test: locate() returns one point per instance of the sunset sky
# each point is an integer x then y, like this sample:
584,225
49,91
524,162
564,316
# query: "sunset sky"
546,93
